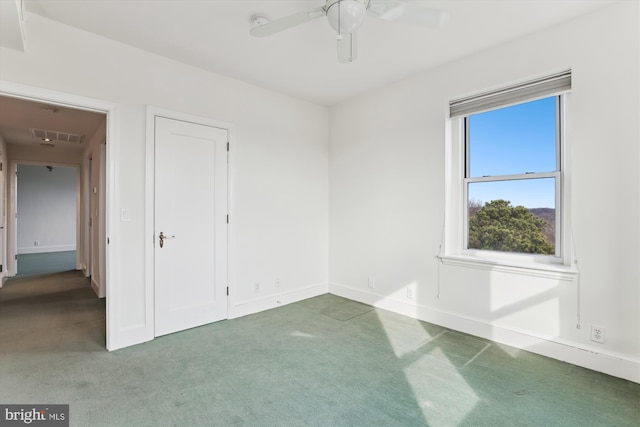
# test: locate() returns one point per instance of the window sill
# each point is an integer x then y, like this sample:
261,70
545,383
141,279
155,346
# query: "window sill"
547,271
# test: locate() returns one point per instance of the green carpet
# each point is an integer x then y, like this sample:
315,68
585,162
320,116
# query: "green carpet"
46,262
326,361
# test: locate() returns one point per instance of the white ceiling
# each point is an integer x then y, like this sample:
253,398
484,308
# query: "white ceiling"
214,35
17,116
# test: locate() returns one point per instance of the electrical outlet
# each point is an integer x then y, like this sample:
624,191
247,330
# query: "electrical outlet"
410,292
372,282
257,287
597,334
277,282
36,243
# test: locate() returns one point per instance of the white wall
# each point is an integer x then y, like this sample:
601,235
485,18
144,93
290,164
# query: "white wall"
17,154
93,211
46,209
90,169
387,183
279,182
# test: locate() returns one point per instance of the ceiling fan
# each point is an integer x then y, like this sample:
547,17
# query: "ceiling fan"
345,16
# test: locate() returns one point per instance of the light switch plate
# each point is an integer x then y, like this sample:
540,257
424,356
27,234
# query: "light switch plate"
125,214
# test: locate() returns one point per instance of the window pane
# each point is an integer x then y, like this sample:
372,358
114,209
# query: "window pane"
513,140
513,216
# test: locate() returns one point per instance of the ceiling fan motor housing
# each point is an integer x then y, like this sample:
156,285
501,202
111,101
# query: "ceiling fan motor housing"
345,16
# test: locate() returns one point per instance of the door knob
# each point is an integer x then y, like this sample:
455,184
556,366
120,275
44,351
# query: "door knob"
162,237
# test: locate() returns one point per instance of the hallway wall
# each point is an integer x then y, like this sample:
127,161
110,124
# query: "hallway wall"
4,162
46,206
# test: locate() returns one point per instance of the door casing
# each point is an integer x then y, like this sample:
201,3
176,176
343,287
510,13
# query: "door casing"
37,94
11,243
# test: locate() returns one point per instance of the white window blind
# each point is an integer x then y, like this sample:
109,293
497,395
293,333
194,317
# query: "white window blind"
527,91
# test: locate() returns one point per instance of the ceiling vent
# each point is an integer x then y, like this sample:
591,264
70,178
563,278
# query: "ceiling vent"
52,135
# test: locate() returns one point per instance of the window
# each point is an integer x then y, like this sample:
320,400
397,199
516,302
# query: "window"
506,174
513,178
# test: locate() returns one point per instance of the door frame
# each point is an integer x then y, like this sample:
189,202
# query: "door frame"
11,243
149,203
112,111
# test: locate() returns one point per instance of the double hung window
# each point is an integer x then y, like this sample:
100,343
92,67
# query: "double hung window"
511,176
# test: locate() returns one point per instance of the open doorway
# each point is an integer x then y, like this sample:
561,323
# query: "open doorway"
53,175
47,219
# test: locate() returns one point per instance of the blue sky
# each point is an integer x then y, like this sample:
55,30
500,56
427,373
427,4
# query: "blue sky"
515,140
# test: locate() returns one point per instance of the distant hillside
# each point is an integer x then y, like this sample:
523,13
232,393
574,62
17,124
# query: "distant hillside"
549,215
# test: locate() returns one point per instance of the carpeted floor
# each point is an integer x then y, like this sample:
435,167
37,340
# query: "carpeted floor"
45,262
326,361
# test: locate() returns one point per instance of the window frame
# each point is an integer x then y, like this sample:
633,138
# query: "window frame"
453,249
557,175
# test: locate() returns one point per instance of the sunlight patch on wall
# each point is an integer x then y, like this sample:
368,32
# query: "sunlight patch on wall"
528,304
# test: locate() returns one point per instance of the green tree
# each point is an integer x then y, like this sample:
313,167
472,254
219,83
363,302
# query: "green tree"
498,226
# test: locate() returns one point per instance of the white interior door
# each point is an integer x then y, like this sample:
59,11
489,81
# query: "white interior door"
191,215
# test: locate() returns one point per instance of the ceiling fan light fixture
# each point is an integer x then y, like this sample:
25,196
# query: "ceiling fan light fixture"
345,16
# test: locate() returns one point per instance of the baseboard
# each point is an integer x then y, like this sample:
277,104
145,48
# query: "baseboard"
96,287
138,334
255,305
611,364
46,249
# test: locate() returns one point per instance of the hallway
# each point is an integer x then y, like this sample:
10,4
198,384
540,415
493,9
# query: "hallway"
45,263
58,312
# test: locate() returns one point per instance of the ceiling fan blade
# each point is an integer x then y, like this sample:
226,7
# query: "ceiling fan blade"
347,48
287,22
411,13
